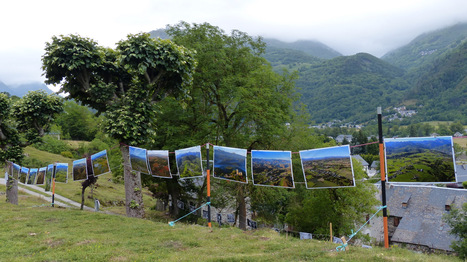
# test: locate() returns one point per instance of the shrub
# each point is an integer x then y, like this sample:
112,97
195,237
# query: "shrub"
457,220
67,154
52,145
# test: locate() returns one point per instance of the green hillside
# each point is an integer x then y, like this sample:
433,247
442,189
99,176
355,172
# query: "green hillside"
350,88
427,47
313,48
34,232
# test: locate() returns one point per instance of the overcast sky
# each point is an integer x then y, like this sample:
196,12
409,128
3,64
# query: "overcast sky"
349,27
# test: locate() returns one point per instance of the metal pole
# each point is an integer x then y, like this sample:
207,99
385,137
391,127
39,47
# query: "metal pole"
53,186
208,177
383,178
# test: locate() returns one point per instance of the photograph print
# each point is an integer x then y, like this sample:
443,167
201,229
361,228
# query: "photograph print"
23,175
230,164
189,162
61,172
15,172
272,168
329,167
100,163
420,159
158,161
41,176
80,171
48,177
32,176
138,160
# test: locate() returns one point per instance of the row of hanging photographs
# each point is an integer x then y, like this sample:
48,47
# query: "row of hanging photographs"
323,168
420,160
416,160
59,171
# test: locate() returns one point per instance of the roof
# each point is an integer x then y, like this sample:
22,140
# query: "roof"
421,220
360,159
461,171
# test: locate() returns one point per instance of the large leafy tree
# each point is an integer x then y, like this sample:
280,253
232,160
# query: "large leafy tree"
237,99
23,122
125,83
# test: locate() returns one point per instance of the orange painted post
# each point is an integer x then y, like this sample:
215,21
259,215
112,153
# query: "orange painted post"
383,179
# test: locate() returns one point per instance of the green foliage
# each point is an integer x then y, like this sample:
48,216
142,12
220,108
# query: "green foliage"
313,210
464,184
77,122
457,220
52,145
66,154
35,113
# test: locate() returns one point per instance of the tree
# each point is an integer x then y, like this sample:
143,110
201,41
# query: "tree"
125,84
312,210
457,220
31,115
77,122
237,100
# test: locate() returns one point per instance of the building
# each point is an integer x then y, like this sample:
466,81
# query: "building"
340,138
461,171
416,216
362,161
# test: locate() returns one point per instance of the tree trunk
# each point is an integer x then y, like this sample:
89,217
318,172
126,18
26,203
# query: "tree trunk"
133,190
173,188
241,207
12,190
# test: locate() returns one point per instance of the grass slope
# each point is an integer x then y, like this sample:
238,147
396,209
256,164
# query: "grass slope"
111,195
31,232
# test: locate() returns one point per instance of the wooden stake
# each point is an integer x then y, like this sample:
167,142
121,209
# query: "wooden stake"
330,229
345,242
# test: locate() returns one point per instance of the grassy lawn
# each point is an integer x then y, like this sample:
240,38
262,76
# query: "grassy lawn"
35,232
111,195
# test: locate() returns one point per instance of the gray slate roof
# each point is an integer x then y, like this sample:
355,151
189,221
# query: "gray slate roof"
361,160
421,221
461,171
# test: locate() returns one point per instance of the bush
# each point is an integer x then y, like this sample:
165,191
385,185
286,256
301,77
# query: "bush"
52,145
464,184
457,220
67,154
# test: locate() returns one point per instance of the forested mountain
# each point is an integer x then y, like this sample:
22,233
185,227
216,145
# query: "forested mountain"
427,47
441,90
21,90
312,48
350,87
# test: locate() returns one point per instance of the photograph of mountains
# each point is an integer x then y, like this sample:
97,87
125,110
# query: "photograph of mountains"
272,168
61,173
32,176
230,164
23,175
138,160
189,162
100,163
79,170
159,163
41,176
329,167
423,159
15,170
48,177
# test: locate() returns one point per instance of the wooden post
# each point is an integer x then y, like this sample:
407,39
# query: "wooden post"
345,242
330,230
383,178
53,186
208,178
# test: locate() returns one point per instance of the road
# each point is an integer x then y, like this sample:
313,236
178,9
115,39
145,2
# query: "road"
47,196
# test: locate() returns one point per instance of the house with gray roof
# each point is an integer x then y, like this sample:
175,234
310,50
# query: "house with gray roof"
416,216
362,161
340,138
461,171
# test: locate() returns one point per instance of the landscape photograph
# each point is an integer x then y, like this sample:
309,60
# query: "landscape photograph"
159,163
15,170
79,170
138,160
329,167
61,172
48,176
32,176
41,176
420,159
23,175
272,168
189,162
100,163
230,164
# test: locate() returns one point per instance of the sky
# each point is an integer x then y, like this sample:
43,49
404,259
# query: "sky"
348,27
